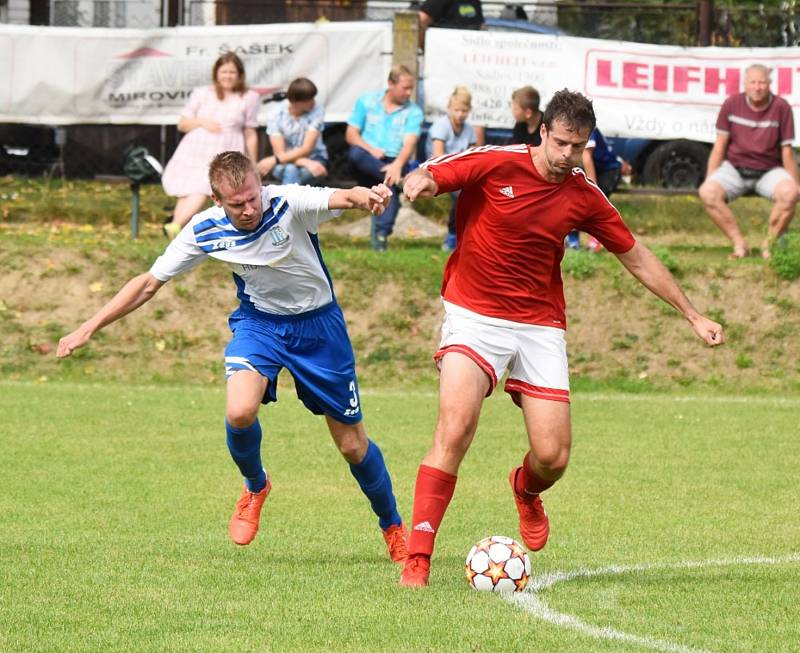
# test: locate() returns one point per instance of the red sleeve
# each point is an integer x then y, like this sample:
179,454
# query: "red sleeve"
454,171
604,222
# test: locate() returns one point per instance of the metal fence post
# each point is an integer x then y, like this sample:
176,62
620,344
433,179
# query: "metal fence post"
134,210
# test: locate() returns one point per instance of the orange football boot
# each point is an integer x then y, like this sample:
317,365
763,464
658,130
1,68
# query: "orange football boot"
534,526
246,515
396,538
416,571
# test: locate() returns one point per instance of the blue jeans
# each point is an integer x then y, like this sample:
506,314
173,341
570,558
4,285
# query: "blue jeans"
289,173
367,171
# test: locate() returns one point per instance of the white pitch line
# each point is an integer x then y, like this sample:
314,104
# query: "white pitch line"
531,603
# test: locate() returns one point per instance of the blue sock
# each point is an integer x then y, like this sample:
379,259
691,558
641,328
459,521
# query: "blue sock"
245,447
373,477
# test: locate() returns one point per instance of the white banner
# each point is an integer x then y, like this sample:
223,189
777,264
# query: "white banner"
639,90
60,76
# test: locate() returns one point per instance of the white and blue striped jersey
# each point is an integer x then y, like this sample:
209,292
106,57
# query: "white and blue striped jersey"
277,267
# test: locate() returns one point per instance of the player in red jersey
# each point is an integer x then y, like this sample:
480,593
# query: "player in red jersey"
504,307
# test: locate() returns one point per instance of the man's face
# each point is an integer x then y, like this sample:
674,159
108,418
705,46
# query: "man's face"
563,147
242,205
400,91
756,86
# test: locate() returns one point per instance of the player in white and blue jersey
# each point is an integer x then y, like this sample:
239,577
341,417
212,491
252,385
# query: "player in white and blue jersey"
288,317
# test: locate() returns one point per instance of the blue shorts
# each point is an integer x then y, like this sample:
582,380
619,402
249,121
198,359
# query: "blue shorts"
313,346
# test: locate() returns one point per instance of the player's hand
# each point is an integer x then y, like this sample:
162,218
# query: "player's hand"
378,198
419,184
72,341
708,331
393,173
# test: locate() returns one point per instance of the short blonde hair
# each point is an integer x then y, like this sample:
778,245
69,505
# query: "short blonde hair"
461,94
397,71
232,167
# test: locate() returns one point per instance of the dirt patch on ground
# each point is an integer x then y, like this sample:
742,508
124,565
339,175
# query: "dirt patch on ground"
616,328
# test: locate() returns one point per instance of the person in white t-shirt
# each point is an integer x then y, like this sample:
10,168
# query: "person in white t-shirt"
288,317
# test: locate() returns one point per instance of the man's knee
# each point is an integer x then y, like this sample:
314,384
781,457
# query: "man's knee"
240,415
710,192
787,193
552,457
453,435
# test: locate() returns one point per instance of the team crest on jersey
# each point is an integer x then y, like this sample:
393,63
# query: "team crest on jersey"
278,236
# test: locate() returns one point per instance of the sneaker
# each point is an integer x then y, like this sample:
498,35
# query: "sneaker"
593,245
396,537
449,243
171,229
416,571
533,523
379,243
573,240
246,515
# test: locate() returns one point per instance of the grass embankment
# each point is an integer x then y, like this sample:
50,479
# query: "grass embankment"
66,249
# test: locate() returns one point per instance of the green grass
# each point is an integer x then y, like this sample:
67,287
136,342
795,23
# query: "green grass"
115,501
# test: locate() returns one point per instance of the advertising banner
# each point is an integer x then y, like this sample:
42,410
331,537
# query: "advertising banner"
639,90
61,76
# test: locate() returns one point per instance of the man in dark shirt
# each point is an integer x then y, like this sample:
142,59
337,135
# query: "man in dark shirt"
453,14
752,153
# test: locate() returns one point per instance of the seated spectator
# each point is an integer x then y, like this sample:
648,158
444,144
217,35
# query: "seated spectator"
449,134
528,118
295,135
752,153
382,133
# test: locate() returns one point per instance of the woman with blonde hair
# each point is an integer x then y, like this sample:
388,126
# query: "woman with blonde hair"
218,118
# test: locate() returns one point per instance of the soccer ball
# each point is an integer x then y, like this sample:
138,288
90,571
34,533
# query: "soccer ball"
498,564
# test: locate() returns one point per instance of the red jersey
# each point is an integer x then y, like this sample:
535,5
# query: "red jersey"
510,226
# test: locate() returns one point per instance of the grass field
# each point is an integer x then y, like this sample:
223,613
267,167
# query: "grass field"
675,528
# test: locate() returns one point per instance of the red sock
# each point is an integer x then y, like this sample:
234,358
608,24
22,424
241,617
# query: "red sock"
432,495
528,482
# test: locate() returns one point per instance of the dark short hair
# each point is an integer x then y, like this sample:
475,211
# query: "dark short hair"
232,167
573,109
526,97
301,90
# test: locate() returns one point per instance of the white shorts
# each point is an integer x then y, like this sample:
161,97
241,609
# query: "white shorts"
535,356
735,185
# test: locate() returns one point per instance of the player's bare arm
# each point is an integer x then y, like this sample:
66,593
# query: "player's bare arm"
130,297
420,183
375,199
651,273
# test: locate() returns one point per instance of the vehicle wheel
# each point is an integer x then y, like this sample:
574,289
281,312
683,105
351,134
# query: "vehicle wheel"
676,164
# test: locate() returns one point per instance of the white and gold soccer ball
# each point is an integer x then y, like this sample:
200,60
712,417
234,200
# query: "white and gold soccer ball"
498,564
